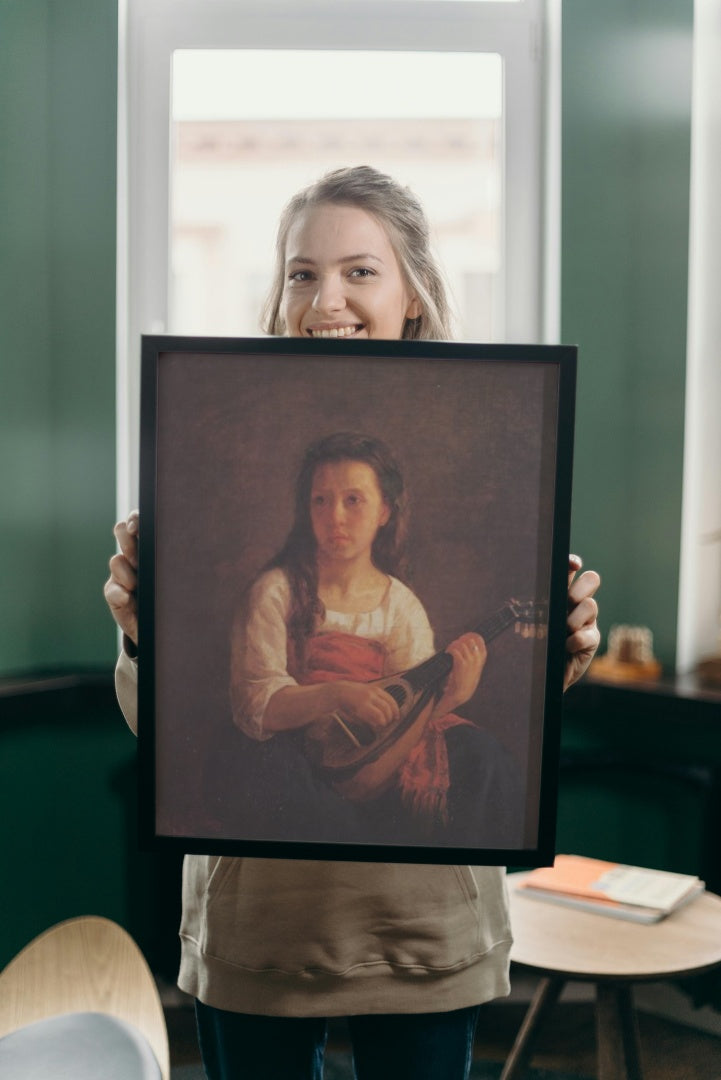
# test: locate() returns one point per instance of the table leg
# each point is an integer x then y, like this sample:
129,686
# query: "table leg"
617,1033
545,997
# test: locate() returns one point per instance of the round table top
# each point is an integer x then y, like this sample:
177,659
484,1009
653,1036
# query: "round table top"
559,940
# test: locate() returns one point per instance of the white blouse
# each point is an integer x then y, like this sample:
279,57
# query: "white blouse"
259,661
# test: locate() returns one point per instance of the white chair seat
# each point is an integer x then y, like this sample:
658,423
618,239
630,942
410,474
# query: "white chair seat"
78,1046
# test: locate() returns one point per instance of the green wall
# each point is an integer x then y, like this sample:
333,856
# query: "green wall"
625,200
58,73
67,762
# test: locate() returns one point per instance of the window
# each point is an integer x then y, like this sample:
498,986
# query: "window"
227,107
235,161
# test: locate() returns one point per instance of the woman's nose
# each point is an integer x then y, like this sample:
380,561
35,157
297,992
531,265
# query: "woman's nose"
338,511
329,295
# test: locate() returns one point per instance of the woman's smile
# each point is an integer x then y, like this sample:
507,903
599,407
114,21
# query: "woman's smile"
335,331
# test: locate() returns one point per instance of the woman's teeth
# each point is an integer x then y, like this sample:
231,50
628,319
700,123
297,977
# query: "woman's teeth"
337,331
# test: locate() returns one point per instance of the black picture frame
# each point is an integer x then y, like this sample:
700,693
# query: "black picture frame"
484,438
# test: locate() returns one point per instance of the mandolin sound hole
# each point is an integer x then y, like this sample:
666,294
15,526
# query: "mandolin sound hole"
364,733
397,692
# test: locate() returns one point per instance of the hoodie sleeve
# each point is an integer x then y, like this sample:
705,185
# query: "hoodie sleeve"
126,688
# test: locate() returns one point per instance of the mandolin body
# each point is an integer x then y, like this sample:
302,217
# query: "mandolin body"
361,762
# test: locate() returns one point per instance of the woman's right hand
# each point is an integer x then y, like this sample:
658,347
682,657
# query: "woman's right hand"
122,585
366,703
294,707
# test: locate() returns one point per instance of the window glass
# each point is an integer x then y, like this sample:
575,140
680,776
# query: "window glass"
251,127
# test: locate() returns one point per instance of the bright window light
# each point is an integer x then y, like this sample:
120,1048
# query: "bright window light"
238,154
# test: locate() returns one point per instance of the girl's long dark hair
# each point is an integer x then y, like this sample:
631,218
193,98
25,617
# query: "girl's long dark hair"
298,554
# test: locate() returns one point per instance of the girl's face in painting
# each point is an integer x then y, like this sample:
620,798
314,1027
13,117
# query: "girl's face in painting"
346,508
342,277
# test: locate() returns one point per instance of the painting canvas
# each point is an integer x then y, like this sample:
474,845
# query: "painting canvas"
480,440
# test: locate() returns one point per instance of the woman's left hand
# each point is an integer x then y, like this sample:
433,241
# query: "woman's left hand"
583,636
469,657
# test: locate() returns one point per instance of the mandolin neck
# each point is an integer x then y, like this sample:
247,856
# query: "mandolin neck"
494,624
438,666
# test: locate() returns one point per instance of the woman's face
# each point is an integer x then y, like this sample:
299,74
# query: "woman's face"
346,509
342,277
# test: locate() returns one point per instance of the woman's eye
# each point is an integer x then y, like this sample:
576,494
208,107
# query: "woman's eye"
300,276
353,500
362,272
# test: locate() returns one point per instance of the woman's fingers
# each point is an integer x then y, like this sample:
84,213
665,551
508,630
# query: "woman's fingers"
469,655
575,563
123,572
583,613
121,587
469,658
123,607
582,633
371,705
383,708
126,534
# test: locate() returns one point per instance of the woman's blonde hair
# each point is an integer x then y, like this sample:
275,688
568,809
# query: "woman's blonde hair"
403,217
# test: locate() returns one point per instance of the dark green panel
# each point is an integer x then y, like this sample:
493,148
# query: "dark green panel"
641,777
26,452
624,817
69,792
82,302
58,80
63,785
626,146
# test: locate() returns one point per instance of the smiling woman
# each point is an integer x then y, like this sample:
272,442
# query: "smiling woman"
353,259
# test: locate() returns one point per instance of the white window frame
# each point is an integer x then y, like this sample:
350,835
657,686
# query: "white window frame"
699,597
526,34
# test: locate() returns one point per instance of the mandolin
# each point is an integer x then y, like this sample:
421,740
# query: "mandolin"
360,761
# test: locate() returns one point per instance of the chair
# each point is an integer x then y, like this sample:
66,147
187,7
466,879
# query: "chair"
79,1002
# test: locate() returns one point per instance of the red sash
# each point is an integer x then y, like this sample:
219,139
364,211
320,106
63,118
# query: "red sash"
423,779
335,655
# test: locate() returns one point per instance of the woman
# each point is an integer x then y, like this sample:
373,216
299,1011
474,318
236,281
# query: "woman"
271,948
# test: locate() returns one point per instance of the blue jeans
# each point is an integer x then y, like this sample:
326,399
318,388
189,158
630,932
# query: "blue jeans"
414,1046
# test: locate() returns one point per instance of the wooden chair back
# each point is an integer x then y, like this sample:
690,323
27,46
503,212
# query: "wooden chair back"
87,964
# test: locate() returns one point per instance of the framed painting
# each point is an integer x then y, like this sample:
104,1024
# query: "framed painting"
352,597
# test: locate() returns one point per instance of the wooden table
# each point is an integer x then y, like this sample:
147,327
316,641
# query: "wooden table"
563,944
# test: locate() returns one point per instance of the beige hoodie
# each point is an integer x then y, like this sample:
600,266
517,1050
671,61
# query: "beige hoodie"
287,937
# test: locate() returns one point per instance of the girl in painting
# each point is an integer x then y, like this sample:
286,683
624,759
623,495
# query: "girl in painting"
328,617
